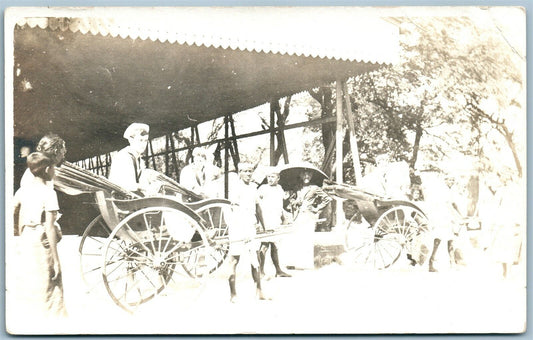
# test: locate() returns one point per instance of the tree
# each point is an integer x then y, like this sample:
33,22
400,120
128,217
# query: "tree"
457,83
281,148
484,77
324,96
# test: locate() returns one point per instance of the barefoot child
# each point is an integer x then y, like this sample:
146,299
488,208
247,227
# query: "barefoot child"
40,287
270,196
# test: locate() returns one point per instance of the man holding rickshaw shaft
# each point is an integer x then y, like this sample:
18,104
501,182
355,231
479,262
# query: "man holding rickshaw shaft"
242,229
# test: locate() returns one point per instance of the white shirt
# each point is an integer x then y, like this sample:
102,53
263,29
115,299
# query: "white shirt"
192,179
34,198
245,197
28,177
123,172
270,200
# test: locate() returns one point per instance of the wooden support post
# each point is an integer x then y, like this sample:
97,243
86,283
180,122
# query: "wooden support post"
167,159
195,139
272,135
226,156
189,149
233,155
153,156
97,167
100,165
197,134
107,164
353,140
338,149
174,160
281,138
236,157
328,155
217,154
283,146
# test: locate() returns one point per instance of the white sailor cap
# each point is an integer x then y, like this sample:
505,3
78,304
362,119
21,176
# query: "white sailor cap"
199,152
272,170
246,166
136,129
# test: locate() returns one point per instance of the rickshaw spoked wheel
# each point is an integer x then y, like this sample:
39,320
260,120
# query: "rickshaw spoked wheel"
405,225
144,253
397,230
356,229
90,250
216,228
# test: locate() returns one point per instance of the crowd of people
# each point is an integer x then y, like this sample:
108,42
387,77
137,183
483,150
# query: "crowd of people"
445,202
255,208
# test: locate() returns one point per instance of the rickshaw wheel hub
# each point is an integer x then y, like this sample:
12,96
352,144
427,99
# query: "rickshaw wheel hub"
159,261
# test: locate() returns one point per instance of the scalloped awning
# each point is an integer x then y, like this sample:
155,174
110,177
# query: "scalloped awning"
87,77
343,33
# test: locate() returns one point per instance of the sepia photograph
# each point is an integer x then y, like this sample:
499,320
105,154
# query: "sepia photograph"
265,170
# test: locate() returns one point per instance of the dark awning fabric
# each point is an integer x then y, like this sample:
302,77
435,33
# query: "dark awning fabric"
89,87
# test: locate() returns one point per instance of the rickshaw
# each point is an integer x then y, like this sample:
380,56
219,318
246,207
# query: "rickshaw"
139,245
393,227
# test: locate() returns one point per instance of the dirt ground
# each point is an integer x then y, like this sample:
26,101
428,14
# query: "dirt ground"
338,297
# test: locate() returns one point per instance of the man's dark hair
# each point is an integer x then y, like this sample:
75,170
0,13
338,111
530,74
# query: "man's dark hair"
51,144
37,163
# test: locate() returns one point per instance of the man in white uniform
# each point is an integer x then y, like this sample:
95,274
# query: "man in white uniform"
242,228
127,165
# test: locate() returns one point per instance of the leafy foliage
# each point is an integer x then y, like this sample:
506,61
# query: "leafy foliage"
457,84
